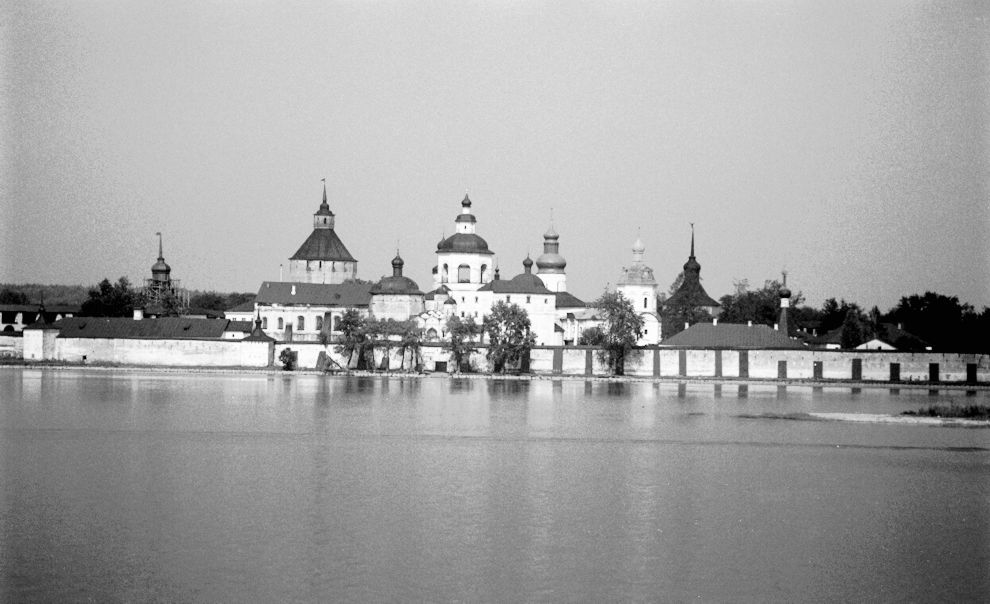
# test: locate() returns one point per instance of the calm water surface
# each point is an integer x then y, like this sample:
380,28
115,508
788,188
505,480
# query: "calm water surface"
133,486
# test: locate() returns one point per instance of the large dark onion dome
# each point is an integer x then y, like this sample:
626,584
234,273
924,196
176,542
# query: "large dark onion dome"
464,242
550,261
396,284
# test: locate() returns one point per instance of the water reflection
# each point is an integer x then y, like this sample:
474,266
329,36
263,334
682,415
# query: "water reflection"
718,391
781,392
743,391
681,389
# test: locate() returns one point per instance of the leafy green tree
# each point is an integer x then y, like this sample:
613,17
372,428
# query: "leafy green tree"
288,358
410,342
853,333
10,296
621,326
509,336
111,299
208,301
592,336
761,306
353,337
944,322
461,340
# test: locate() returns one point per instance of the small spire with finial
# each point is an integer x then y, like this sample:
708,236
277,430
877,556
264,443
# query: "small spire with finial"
692,240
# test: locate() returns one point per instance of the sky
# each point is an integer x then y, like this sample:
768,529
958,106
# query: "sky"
844,142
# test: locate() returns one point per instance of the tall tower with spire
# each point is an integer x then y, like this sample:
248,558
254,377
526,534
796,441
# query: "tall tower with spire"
550,264
691,295
322,258
162,290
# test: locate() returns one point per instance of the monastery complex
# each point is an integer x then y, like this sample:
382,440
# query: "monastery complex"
322,284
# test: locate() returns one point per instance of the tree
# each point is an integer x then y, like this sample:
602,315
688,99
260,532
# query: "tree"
621,326
592,336
10,296
943,321
461,343
353,337
509,335
853,333
288,358
110,299
410,342
208,301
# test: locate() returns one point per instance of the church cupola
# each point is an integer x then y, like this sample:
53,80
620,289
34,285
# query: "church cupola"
323,218
692,265
550,264
527,265
397,264
160,271
785,303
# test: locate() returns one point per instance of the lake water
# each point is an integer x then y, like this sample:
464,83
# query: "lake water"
143,486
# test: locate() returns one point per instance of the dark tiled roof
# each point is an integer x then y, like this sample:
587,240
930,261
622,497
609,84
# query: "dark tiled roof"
170,328
245,326
323,244
691,294
525,283
314,294
54,309
731,335
568,300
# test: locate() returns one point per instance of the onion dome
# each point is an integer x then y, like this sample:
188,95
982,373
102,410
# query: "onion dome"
550,261
396,284
528,265
692,265
784,291
638,273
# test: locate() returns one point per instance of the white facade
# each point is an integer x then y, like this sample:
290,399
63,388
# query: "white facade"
637,284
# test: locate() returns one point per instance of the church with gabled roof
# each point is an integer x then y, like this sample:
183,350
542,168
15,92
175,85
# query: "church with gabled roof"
322,258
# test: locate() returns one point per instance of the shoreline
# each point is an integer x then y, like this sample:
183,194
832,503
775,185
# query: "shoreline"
959,386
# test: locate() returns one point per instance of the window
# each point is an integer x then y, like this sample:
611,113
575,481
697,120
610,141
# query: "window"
300,323
281,323
431,334
644,302
484,267
463,274
508,299
445,275
336,323
319,323
527,299
264,322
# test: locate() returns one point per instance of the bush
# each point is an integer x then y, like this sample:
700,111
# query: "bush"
288,358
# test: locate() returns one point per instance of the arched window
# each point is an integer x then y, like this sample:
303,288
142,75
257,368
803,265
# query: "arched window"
644,302
445,275
281,323
300,323
319,323
484,267
431,334
264,322
464,274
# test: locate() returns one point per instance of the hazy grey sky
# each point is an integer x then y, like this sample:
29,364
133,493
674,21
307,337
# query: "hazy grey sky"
844,141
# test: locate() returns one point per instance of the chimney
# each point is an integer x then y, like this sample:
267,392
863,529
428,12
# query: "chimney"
138,313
